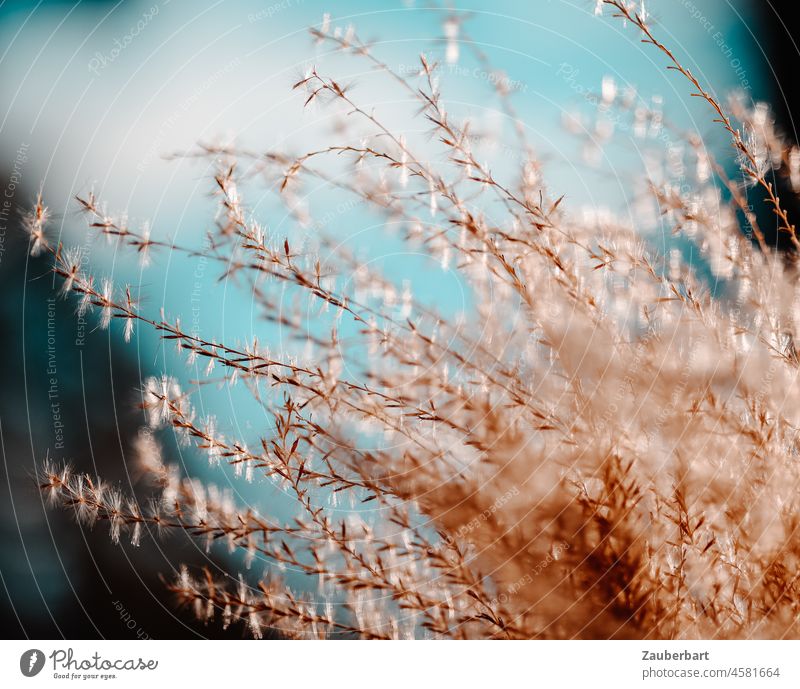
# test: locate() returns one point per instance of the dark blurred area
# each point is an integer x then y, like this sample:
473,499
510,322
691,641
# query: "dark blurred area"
67,395
781,44
782,58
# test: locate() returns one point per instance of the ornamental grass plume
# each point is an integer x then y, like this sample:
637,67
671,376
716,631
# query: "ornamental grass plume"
605,447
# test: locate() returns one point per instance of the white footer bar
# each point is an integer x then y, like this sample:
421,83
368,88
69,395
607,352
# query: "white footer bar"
402,664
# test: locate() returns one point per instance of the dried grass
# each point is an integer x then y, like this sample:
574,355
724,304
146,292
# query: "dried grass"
602,449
